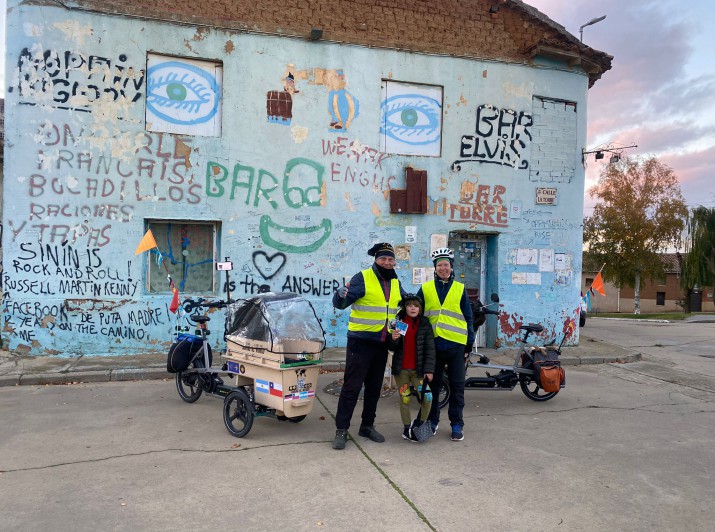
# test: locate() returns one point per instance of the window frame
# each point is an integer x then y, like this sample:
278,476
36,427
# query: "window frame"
174,271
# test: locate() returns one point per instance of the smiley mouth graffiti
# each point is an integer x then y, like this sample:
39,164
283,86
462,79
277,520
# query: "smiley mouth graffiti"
301,239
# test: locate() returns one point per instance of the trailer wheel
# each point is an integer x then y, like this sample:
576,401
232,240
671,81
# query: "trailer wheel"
238,413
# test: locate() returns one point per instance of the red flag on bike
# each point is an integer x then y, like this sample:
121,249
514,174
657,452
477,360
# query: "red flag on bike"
597,284
174,300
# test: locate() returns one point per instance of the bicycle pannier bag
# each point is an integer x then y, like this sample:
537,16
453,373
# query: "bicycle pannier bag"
548,373
182,352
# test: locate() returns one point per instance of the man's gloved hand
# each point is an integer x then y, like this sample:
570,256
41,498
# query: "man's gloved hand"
343,291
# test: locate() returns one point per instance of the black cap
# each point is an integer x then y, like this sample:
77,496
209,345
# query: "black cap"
382,249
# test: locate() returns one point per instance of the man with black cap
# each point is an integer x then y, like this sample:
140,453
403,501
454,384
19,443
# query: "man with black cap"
374,294
448,309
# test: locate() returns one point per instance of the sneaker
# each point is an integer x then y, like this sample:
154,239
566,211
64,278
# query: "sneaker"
435,426
371,433
341,438
457,433
483,359
407,434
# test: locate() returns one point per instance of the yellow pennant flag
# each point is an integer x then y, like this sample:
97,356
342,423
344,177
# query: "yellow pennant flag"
146,243
597,284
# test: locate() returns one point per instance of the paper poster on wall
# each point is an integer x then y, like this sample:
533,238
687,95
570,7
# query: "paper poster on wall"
546,260
402,252
422,275
533,278
410,234
562,261
437,241
518,278
527,257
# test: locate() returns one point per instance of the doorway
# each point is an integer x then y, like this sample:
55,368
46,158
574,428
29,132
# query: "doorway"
470,251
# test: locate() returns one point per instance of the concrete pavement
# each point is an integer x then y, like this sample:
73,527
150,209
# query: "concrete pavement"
18,369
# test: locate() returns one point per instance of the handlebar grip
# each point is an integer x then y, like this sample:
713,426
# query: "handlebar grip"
493,312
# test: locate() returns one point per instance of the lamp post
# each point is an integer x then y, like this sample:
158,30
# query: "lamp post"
589,23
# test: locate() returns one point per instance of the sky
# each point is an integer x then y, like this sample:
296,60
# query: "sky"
659,93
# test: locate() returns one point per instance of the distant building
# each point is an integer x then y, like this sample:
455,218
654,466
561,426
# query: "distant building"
657,295
290,137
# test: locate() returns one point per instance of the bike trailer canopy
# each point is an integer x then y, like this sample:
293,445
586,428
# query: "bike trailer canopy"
280,323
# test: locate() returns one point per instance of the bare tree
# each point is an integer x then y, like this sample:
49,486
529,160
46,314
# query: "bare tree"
641,213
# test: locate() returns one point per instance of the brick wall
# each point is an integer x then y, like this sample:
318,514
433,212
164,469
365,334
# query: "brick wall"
461,28
553,151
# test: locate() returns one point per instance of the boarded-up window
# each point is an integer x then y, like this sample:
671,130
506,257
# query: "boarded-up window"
411,122
188,250
183,96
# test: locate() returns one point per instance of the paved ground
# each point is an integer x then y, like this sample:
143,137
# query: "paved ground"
625,446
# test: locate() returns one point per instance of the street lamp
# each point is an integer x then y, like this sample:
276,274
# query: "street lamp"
589,23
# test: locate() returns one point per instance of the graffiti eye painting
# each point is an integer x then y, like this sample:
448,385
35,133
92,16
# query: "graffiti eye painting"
181,94
411,122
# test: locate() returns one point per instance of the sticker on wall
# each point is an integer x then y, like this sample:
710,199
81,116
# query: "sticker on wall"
411,122
515,209
410,234
183,96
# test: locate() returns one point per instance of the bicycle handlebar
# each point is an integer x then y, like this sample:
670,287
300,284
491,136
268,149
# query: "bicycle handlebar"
191,305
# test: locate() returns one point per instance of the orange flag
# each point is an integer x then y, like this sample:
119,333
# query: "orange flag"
174,300
146,243
597,284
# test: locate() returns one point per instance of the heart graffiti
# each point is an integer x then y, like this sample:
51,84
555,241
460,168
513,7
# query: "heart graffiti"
265,265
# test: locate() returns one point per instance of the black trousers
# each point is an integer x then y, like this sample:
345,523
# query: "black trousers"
365,363
455,374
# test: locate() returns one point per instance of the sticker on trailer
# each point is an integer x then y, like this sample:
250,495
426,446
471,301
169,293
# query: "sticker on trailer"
276,388
233,367
262,386
301,395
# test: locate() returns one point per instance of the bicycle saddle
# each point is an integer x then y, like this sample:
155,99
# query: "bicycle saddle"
200,319
532,328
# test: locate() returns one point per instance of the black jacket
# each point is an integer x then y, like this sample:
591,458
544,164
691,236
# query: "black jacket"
426,353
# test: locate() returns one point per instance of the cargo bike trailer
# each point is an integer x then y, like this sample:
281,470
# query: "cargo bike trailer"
274,345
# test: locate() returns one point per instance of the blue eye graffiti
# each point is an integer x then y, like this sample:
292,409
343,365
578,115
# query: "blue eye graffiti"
180,93
411,118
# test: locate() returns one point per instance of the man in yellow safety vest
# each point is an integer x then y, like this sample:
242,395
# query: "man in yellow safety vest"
448,309
374,294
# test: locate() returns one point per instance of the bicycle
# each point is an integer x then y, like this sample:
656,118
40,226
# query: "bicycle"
522,371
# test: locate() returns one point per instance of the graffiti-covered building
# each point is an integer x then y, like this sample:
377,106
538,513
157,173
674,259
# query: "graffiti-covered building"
287,137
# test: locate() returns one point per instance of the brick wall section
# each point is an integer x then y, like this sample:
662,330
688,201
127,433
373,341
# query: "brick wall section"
452,27
553,152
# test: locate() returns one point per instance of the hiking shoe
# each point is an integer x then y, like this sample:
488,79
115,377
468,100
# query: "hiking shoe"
407,434
341,438
371,433
457,433
434,425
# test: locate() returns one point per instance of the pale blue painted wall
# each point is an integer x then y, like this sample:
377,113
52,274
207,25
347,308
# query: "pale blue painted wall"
52,157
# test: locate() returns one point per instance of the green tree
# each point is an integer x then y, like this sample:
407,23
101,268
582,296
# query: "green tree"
641,213
698,264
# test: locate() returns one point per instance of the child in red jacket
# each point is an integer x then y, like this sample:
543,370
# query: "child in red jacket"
413,359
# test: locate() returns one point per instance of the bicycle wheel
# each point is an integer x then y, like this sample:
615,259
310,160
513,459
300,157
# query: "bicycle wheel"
238,413
444,393
188,384
529,385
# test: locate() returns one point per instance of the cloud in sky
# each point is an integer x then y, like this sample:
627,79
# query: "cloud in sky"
660,91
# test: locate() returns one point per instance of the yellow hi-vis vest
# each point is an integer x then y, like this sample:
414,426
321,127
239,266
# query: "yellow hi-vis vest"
371,312
447,319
